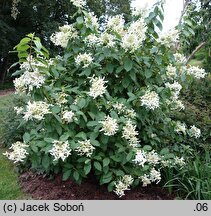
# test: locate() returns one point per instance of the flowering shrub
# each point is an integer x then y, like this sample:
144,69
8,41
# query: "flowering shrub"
104,105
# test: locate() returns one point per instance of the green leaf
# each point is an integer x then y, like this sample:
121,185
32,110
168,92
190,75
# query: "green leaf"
106,178
148,73
95,143
106,162
147,148
129,156
24,41
34,148
38,44
126,82
82,103
66,175
87,168
80,20
81,135
26,137
64,137
111,186
128,65
146,61
23,48
76,175
92,123
154,50
56,109
119,173
110,67
48,140
46,161
164,151
97,166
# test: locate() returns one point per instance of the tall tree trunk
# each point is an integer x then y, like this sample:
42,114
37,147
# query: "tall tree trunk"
195,51
3,70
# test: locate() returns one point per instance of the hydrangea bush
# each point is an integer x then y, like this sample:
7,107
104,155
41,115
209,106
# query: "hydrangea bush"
103,106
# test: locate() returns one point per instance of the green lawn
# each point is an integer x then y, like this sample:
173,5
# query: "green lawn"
9,187
195,62
4,102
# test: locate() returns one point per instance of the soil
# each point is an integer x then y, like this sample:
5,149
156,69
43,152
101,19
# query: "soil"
43,188
6,92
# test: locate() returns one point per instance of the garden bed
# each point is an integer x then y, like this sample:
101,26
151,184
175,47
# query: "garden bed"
44,188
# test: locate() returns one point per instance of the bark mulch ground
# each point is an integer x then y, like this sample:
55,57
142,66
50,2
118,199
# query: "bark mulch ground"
42,188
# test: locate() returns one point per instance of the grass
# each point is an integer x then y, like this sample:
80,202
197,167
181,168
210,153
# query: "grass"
9,186
196,62
4,102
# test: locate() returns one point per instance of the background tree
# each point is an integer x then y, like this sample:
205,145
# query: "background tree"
20,17
196,23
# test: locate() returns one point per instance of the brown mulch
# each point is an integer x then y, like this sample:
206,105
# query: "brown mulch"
43,188
6,92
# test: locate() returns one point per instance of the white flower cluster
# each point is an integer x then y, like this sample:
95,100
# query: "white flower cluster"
104,39
92,40
85,59
143,157
175,88
178,105
130,134
78,3
180,58
122,109
179,161
28,81
19,152
32,64
150,100
140,158
180,127
152,157
107,40
123,184
62,37
133,39
171,72
196,72
154,176
85,148
19,110
61,98
60,150
14,9
68,116
109,126
141,12
116,24
175,103
91,20
169,39
194,131
130,113
98,87
36,110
